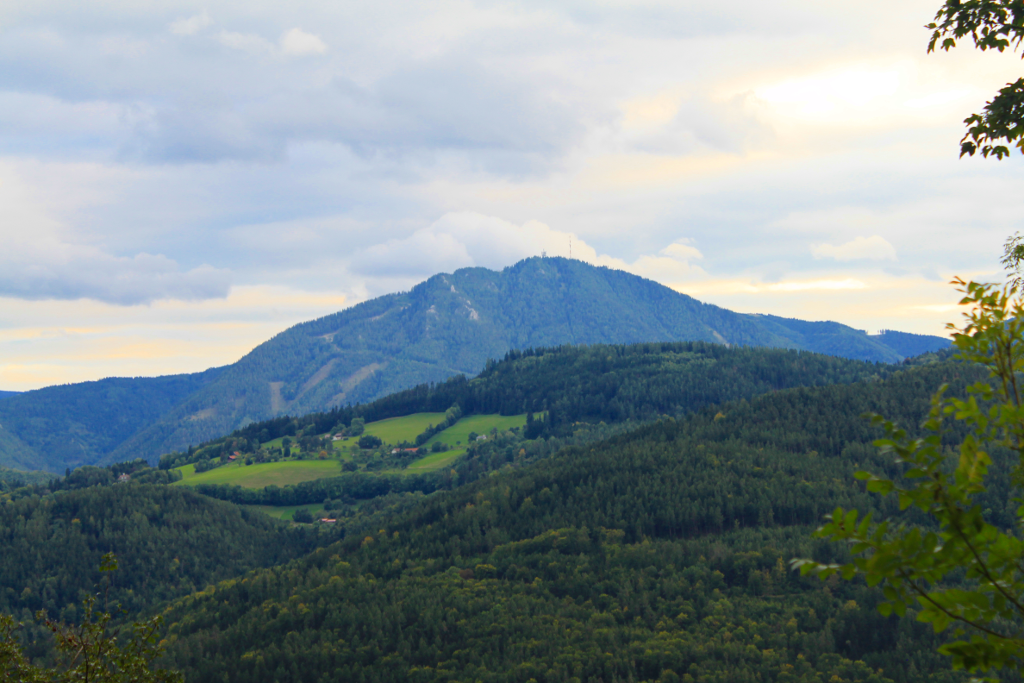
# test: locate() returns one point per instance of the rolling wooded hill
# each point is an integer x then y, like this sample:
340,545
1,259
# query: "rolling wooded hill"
448,325
657,555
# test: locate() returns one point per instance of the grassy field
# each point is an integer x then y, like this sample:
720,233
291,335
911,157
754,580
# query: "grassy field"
457,436
390,431
397,429
264,474
287,511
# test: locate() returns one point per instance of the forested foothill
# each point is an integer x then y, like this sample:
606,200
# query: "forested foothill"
637,528
575,393
169,542
659,554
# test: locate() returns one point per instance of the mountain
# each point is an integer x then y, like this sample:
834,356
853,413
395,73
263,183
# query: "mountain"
907,344
78,424
8,394
657,555
450,324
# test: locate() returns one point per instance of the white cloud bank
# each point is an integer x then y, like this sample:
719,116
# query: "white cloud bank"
192,25
874,248
38,262
293,43
298,42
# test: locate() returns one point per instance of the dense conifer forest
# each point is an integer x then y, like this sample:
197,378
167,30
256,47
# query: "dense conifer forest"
169,542
639,529
654,555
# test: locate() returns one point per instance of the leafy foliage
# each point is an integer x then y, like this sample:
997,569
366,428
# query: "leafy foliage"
992,25
965,570
91,651
15,478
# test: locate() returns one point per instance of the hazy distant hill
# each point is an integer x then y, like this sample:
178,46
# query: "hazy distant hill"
78,424
447,325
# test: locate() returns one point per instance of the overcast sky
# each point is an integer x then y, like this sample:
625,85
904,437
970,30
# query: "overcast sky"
181,180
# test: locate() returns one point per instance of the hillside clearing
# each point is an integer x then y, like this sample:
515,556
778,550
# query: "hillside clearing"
457,437
263,474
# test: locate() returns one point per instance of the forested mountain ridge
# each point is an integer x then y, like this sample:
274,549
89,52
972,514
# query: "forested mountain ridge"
657,555
579,394
450,324
78,424
601,382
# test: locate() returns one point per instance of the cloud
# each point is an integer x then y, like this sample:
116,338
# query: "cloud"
184,134
298,42
466,239
461,240
294,42
874,248
673,124
39,262
421,254
192,25
84,273
437,109
246,42
758,130
671,266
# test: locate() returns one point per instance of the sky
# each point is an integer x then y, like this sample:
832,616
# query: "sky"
179,181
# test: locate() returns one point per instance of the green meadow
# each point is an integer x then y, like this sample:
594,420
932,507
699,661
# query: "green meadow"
395,430
263,474
457,437
286,512
391,431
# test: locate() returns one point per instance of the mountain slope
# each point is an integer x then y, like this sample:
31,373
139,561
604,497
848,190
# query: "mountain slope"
453,324
78,424
447,325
